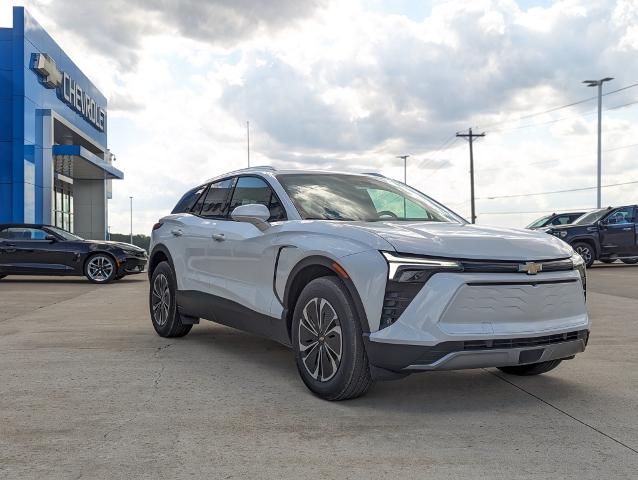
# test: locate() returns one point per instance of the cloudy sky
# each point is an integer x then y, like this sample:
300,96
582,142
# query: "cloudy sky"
350,85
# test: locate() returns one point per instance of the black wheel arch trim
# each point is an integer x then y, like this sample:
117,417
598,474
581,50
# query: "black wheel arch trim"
319,260
159,248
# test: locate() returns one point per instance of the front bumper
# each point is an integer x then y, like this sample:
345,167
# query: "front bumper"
458,355
131,265
474,320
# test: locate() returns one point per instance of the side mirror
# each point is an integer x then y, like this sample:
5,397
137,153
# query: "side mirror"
254,213
51,238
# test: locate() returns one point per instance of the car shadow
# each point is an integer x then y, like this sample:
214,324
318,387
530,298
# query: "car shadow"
433,392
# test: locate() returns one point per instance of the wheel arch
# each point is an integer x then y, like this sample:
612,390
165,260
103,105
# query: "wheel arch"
589,241
310,268
158,255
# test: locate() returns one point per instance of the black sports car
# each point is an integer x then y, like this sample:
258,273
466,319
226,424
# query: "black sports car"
28,249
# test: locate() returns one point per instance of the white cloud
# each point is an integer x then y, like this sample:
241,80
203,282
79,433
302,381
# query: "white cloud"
339,85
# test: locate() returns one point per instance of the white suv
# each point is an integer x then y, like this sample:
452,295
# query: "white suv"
365,278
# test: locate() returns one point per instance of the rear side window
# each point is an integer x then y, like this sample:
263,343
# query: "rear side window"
188,200
255,190
215,204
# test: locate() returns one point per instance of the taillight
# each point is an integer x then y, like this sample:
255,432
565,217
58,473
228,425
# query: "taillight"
157,225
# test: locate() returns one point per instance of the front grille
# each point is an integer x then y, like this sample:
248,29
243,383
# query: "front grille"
525,342
442,349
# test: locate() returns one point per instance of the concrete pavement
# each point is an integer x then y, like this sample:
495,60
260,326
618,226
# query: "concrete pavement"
88,390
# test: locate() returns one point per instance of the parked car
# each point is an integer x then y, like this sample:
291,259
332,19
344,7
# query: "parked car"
364,278
554,219
27,249
604,234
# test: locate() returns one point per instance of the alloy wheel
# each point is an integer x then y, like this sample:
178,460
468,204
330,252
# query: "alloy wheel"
320,339
100,268
161,301
584,252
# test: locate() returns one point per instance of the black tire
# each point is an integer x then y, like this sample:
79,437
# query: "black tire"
351,378
586,251
119,277
100,268
531,369
629,261
607,260
162,303
2,276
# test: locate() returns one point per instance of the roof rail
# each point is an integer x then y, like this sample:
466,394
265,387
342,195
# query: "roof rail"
256,167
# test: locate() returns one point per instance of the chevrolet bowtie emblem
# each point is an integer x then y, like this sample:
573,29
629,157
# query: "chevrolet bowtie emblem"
45,66
531,268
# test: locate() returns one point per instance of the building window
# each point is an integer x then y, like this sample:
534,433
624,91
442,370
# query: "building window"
63,206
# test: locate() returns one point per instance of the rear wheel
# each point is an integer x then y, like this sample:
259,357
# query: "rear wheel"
328,341
100,268
531,369
629,261
162,303
586,251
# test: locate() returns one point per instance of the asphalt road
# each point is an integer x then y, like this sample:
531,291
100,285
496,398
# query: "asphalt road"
87,390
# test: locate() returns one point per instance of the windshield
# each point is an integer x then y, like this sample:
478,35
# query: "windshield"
540,222
64,234
591,217
360,198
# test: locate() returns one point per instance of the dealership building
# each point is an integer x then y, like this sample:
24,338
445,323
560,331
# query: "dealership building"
55,167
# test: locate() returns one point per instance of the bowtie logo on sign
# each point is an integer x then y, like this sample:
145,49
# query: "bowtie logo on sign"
68,90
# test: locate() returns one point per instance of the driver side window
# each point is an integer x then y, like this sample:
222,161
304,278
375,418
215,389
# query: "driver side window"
621,216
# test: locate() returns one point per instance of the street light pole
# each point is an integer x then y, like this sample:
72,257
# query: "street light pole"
131,199
405,180
599,84
405,167
248,141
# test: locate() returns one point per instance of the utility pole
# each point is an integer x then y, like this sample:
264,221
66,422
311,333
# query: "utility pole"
248,141
599,84
131,199
470,138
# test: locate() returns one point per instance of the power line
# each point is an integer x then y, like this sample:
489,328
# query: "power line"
442,147
542,162
560,107
557,191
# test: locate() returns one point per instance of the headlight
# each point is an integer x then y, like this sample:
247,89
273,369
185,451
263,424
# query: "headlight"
132,253
579,264
407,269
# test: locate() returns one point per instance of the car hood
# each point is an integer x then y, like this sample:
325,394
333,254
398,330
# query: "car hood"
126,246
469,241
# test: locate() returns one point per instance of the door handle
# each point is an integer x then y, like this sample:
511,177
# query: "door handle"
177,232
218,237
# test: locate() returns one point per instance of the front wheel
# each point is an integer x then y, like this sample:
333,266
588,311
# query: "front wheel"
162,303
328,341
531,369
100,268
587,252
629,261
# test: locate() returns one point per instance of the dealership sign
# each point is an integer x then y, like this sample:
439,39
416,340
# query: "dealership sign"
68,90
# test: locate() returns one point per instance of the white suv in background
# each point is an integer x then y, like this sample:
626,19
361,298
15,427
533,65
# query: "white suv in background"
365,278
